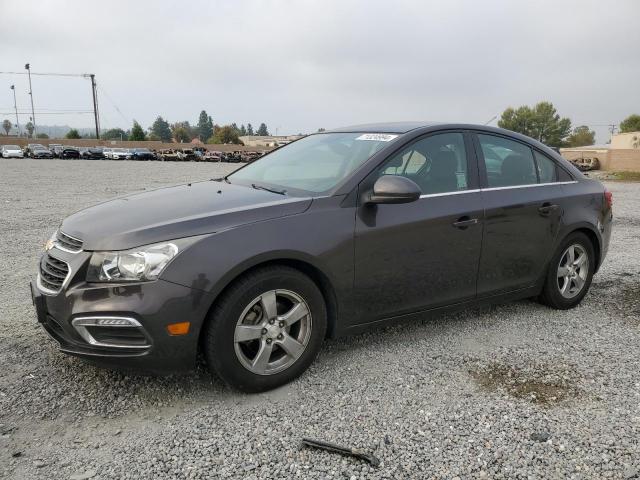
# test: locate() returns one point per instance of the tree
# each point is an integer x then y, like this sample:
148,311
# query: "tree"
183,132
225,134
320,130
72,134
541,122
6,125
42,135
630,124
137,133
262,130
243,130
181,135
249,129
161,129
30,128
205,126
114,134
581,136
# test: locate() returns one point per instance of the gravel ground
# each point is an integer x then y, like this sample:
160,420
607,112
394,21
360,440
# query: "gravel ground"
511,391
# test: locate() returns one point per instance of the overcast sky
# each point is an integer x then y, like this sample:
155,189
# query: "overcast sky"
300,65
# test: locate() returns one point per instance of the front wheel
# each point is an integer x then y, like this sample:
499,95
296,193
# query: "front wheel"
570,273
266,329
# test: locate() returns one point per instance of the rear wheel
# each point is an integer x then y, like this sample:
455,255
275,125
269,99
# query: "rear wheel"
266,329
570,273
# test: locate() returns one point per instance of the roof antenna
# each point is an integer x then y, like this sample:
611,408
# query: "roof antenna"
490,120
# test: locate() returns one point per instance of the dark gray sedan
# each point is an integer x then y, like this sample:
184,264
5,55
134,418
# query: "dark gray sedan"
330,235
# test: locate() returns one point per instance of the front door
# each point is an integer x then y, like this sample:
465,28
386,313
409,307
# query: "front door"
423,254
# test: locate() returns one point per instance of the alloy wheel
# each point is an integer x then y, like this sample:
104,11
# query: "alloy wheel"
272,332
573,270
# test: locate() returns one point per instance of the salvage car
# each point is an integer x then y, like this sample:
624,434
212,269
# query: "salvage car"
69,152
168,155
93,153
40,152
11,151
331,235
142,154
120,154
28,150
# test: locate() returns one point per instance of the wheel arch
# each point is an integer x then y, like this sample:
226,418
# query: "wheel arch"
595,242
316,274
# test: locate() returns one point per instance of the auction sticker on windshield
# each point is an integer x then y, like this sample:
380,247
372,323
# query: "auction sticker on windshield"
378,137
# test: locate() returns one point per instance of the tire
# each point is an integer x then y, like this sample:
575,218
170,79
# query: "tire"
259,305
552,293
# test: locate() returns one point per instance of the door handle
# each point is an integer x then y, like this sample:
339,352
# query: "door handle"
465,222
547,208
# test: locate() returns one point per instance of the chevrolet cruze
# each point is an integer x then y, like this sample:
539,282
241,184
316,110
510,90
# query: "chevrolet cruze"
330,235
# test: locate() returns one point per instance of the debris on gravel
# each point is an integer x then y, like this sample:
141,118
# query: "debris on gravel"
508,391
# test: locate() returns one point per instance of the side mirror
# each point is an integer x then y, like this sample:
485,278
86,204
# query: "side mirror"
394,189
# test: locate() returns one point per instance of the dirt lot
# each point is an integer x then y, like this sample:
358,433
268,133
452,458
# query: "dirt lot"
512,391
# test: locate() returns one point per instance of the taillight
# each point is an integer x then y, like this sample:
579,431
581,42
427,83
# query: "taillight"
608,198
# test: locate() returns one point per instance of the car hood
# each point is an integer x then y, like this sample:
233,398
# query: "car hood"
176,212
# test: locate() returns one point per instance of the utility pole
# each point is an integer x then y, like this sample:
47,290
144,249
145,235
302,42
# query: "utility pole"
95,104
33,113
15,107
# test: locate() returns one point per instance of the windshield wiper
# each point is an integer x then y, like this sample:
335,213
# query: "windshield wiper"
273,190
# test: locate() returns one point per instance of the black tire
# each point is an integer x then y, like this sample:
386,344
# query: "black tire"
219,347
551,295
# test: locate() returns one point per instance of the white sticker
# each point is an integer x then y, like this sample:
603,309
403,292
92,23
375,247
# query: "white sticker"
377,137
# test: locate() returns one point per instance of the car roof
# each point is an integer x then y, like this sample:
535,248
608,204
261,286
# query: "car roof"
387,127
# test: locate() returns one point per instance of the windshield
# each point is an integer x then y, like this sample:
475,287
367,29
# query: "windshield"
316,163
11,147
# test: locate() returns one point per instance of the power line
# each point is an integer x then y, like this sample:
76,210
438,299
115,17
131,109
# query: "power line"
85,75
49,113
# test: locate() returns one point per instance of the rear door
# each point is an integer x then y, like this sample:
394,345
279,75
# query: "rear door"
522,200
422,254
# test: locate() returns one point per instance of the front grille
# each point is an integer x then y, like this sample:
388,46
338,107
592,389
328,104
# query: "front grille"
68,243
53,273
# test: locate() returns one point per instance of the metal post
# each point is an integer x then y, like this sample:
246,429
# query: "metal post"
33,113
95,104
15,107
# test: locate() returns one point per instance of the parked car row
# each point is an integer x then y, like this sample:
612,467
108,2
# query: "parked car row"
197,154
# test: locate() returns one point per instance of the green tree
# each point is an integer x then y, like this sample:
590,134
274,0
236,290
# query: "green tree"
42,135
30,128
581,136
630,124
205,126
114,134
72,134
137,133
161,129
183,132
243,130
250,129
225,134
262,130
320,130
541,122
6,125
181,135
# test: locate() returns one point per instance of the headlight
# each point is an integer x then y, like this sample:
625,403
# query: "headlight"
137,265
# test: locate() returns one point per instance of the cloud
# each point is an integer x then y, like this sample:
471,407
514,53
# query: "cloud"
307,64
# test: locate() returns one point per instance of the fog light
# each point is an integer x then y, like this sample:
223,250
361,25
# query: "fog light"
181,328
106,322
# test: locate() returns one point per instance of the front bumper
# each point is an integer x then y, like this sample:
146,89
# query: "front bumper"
144,343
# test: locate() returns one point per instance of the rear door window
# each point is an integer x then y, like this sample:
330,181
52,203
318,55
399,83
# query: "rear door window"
547,169
508,163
